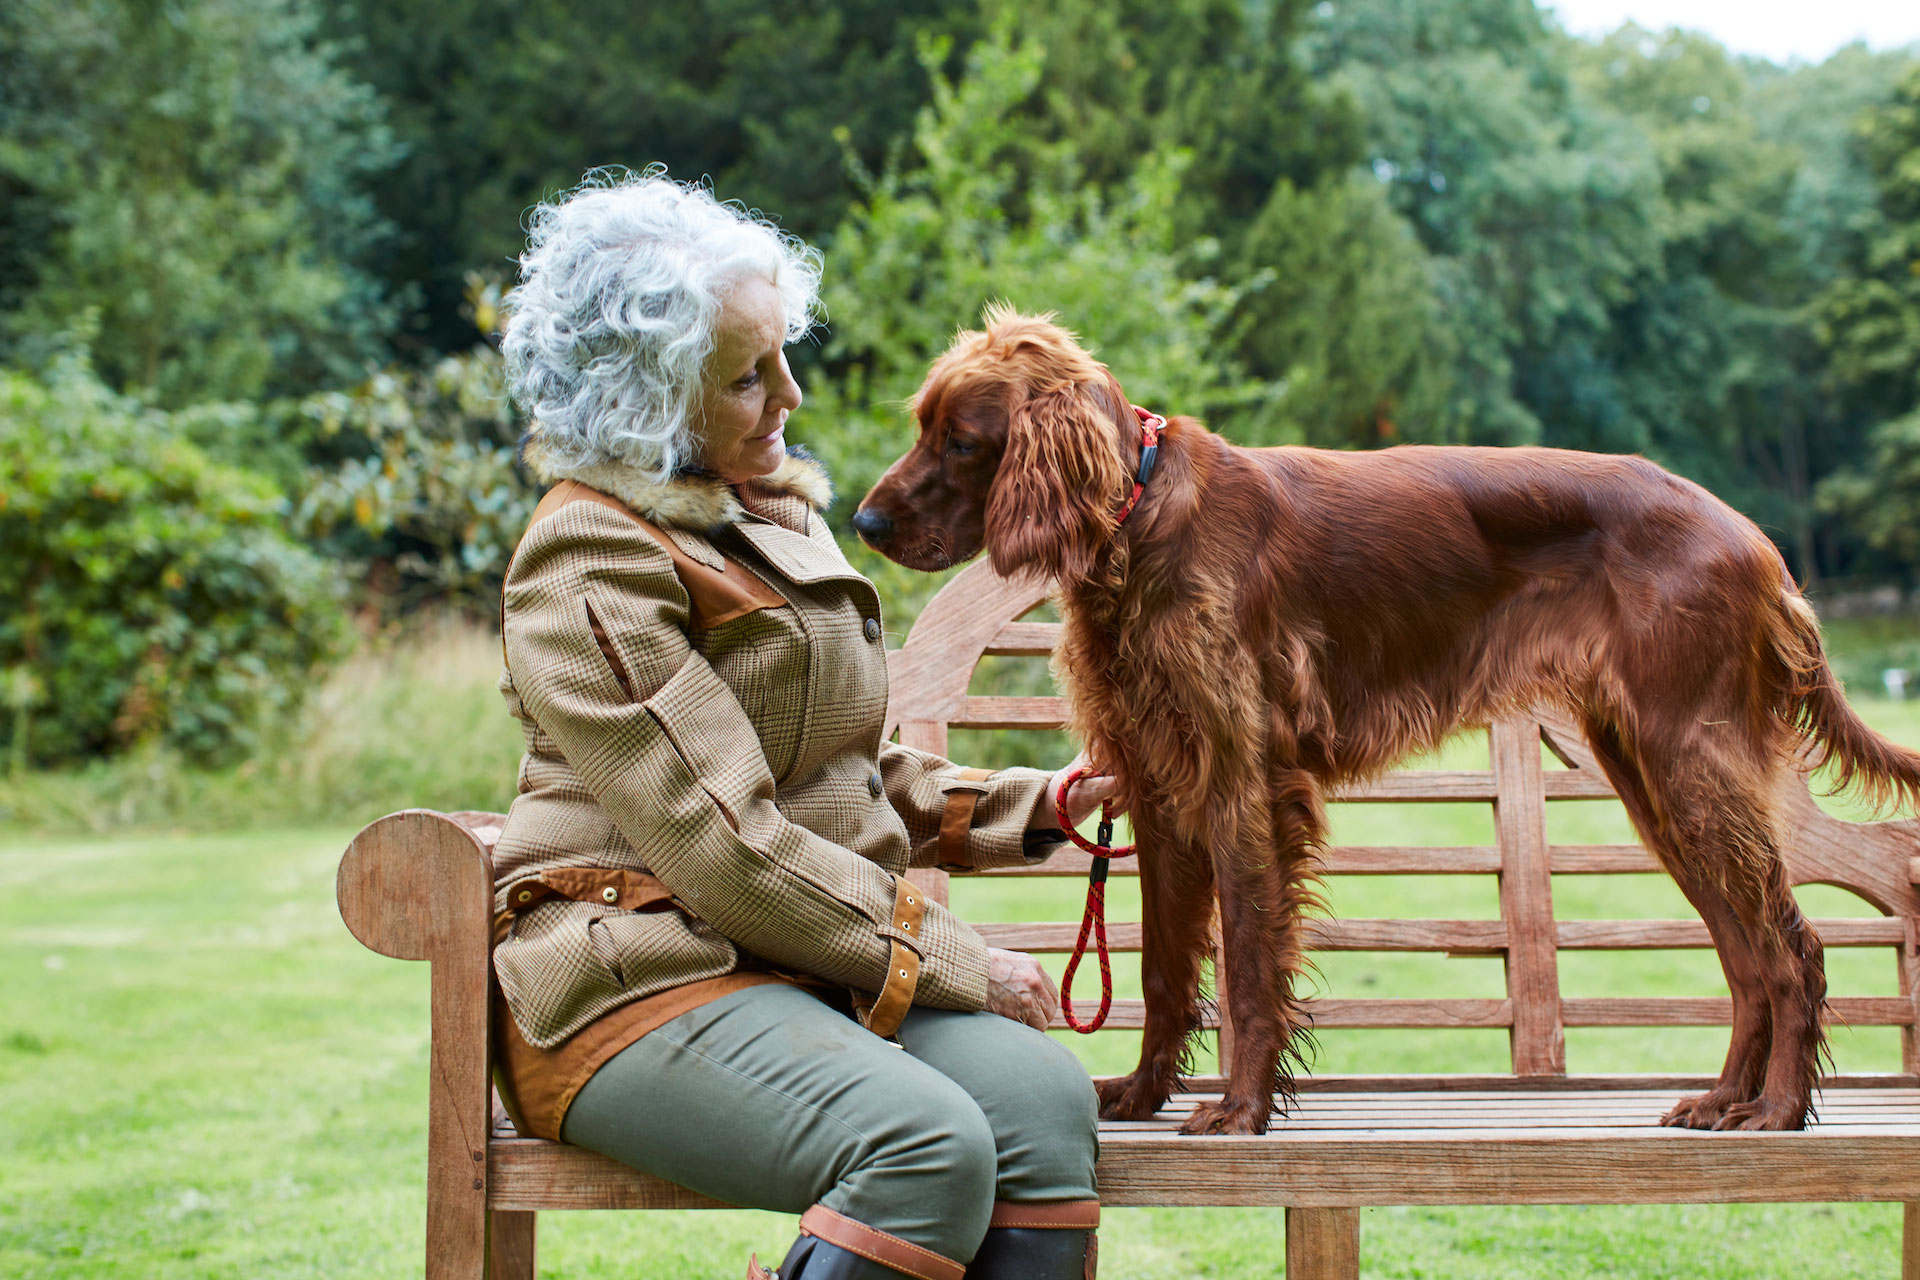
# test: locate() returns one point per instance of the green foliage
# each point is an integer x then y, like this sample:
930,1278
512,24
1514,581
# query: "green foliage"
152,594
195,174
988,211
1341,311
1869,320
1536,210
429,487
501,105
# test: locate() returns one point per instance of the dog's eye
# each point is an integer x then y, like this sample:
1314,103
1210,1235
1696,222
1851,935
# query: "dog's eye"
960,448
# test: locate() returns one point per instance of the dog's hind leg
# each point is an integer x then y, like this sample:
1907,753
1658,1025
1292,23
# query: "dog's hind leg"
1747,1050
1796,984
1745,1066
1176,890
1264,889
1709,821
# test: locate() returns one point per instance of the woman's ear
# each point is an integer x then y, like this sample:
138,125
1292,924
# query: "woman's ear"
1061,482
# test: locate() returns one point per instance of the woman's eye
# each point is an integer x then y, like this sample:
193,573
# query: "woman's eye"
750,380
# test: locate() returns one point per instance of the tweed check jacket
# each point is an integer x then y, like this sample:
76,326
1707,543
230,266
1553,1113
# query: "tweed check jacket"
726,743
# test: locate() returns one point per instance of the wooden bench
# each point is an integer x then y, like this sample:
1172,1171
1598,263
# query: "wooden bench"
418,885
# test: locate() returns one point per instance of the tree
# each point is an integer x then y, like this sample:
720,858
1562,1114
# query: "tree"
988,211
196,176
500,105
1869,321
1536,210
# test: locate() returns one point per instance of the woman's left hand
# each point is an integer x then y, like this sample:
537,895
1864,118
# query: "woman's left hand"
1081,801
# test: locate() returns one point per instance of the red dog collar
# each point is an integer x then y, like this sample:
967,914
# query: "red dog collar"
1151,425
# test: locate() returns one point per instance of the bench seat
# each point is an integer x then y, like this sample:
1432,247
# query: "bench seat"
1351,1142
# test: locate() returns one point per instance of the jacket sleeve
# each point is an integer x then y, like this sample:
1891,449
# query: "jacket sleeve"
596,638
964,819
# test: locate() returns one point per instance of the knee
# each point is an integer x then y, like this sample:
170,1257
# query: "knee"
954,1146
928,1174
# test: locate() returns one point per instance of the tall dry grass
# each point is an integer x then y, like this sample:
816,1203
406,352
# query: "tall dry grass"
408,721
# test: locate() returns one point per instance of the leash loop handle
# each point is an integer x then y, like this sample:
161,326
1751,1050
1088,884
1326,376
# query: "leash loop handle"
1094,919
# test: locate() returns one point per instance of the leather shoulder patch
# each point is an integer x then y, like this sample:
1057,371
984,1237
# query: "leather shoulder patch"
717,595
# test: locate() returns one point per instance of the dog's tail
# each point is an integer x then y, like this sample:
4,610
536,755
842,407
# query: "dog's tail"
1887,775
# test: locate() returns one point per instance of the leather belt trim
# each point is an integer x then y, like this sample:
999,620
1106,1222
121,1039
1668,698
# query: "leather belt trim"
956,821
903,962
1052,1215
875,1245
604,886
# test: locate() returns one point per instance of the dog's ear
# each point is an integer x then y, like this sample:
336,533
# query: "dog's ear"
1060,483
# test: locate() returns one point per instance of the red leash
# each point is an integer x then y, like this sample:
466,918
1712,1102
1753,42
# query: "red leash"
1095,917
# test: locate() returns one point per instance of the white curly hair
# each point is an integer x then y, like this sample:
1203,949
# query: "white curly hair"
609,330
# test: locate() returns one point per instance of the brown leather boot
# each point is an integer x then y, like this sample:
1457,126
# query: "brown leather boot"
1050,1241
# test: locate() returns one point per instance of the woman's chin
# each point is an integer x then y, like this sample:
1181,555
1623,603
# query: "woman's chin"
760,457
771,451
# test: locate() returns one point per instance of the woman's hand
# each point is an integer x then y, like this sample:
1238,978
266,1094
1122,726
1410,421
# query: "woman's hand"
1018,988
1081,801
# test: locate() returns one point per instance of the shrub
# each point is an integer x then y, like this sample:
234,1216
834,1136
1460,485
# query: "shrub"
427,500
150,593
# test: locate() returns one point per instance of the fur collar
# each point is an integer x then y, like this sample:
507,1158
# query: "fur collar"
694,500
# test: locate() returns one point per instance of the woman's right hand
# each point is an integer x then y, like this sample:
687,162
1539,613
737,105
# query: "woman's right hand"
1018,988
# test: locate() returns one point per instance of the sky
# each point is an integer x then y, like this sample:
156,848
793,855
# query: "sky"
1774,29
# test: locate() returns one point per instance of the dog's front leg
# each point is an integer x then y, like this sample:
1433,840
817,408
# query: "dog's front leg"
1264,888
1176,892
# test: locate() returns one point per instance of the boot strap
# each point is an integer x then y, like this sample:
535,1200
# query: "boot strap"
1047,1215
904,1256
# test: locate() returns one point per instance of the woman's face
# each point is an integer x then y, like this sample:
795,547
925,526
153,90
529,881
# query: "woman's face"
749,390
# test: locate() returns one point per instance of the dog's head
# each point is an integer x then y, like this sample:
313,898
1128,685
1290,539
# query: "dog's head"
1022,449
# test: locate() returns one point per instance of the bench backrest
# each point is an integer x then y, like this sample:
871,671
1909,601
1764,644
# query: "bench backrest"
979,614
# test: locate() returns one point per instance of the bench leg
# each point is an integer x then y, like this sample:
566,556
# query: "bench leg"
1324,1244
510,1248
1910,1242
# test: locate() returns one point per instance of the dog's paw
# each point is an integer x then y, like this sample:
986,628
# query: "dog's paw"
1230,1116
1131,1097
1702,1111
1771,1115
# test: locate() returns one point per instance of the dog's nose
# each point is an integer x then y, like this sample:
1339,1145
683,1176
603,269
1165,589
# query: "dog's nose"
872,526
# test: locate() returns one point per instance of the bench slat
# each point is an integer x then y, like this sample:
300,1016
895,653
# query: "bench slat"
1457,937
1130,1014
1661,935
1402,860
1024,640
1717,1011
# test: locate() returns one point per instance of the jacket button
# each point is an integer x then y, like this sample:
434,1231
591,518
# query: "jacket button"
874,785
873,628
610,893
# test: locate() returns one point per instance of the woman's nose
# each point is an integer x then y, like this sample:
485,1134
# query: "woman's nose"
787,394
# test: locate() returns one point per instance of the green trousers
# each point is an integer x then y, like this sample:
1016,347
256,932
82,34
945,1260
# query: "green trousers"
770,1099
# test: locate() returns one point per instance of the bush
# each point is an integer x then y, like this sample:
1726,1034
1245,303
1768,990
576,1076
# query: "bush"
151,594
428,502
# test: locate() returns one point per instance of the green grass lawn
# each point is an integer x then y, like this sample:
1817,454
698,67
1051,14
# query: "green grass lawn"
203,1075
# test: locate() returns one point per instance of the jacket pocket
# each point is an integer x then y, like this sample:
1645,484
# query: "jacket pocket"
607,651
651,950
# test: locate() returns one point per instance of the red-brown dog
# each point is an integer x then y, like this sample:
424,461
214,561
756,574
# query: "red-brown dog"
1269,623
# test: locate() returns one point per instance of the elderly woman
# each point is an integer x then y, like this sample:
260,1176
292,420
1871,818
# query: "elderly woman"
713,964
